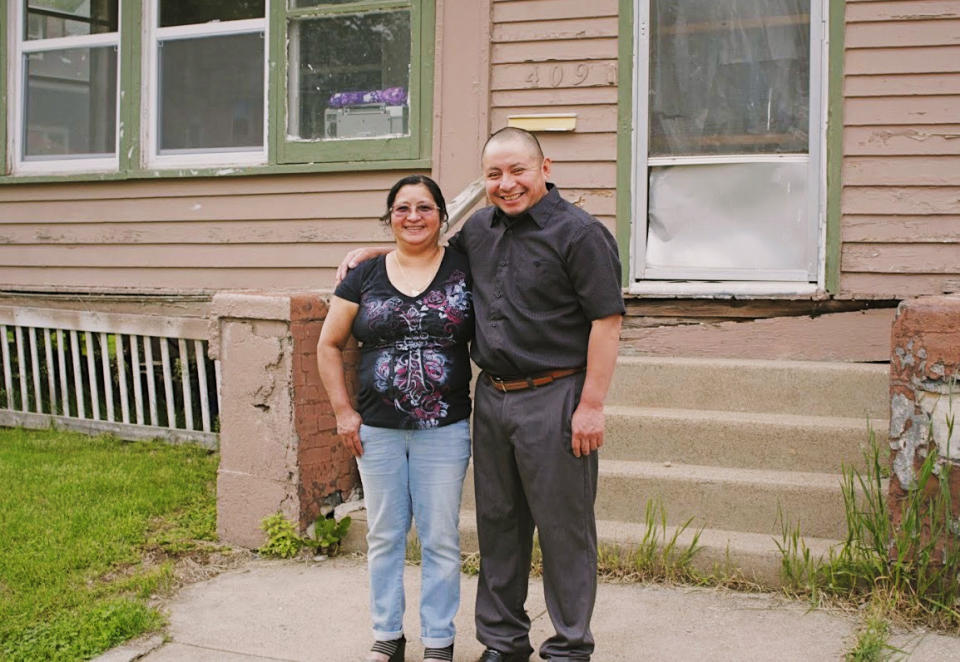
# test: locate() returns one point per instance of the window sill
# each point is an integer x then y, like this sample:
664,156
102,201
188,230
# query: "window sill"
223,171
726,289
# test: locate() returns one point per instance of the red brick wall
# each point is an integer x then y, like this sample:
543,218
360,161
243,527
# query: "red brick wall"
924,370
327,469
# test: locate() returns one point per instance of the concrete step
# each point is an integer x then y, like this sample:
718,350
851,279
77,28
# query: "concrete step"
736,439
734,499
852,390
753,556
730,444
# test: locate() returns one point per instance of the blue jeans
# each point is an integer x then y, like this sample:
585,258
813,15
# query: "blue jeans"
418,473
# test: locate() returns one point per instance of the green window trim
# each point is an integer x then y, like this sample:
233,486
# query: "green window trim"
284,156
223,171
4,96
420,94
131,53
836,32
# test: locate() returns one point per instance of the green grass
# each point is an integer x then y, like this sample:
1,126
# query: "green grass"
89,530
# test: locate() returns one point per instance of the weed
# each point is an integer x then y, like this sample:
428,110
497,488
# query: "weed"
914,567
327,535
414,550
872,645
284,542
658,556
470,564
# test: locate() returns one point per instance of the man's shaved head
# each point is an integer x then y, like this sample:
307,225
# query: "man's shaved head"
510,133
515,171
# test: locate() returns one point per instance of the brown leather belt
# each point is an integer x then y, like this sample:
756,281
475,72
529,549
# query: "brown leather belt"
506,384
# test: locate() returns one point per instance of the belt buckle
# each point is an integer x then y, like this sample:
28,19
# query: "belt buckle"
497,383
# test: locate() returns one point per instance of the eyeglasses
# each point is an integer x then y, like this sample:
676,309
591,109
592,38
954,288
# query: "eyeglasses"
402,211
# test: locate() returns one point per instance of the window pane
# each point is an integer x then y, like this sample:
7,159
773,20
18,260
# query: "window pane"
738,216
211,92
70,107
352,76
188,12
729,77
48,19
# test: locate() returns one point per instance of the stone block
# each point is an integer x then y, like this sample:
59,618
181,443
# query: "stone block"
243,500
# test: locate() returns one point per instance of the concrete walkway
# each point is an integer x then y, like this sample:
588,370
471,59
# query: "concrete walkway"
307,611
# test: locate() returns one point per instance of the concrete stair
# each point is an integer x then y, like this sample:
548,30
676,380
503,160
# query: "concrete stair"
729,444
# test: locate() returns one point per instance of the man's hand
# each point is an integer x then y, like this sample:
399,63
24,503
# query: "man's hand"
587,426
355,257
348,427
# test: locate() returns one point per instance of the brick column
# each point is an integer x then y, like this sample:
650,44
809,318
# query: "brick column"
327,470
278,445
924,375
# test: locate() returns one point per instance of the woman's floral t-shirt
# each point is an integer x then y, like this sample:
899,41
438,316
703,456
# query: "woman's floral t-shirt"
414,358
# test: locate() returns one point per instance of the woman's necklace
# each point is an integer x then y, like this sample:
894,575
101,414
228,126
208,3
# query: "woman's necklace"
410,286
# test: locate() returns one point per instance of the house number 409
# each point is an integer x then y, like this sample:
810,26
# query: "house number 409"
571,75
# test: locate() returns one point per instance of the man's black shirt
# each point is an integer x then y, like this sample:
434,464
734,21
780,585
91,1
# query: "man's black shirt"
539,279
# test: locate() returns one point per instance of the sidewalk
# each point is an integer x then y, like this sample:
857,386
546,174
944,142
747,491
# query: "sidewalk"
317,611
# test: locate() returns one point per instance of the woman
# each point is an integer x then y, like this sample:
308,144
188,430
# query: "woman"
412,313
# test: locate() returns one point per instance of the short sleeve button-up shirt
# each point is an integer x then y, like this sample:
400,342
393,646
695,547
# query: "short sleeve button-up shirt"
539,280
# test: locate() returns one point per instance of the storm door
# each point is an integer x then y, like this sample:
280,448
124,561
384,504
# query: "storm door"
728,140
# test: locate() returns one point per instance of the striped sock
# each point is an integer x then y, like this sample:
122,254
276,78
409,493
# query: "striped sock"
388,648
439,653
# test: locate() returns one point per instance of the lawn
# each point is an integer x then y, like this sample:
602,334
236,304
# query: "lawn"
90,529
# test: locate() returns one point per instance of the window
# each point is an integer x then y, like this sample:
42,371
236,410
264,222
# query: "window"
146,85
67,74
353,84
728,140
207,83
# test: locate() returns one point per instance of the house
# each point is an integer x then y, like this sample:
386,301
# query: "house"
787,149
790,161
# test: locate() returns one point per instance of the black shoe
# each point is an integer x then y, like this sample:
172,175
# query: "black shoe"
493,655
394,648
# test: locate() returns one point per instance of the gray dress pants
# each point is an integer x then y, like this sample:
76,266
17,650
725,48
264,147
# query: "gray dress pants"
526,476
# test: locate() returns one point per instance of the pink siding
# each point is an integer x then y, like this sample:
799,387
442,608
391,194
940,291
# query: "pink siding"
900,206
188,234
560,56
901,173
270,231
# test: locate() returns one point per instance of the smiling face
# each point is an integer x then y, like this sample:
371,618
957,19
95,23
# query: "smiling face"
414,217
515,175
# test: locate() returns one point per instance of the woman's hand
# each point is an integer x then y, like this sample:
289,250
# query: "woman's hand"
348,427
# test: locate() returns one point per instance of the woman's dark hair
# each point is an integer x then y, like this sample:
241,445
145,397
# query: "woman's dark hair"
413,180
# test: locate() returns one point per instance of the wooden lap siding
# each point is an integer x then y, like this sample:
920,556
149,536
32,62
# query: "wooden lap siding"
560,56
279,231
901,171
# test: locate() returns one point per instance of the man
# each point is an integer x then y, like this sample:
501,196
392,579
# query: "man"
548,309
